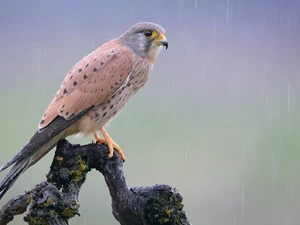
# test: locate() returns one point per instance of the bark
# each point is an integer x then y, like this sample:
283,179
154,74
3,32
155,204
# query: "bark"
55,201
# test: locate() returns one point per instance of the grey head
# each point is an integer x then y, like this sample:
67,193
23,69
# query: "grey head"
145,39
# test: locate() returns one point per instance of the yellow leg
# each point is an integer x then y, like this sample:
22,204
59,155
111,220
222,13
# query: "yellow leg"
98,139
109,142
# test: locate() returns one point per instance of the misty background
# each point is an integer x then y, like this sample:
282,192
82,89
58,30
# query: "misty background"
219,118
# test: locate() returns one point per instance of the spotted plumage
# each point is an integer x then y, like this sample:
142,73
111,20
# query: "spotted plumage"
94,91
89,90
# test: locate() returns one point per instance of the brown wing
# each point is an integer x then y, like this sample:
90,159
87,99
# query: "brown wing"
92,81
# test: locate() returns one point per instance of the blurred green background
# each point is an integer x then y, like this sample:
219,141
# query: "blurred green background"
218,119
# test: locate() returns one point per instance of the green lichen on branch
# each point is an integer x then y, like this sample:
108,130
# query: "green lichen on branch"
79,174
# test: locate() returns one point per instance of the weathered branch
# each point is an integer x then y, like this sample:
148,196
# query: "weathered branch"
55,201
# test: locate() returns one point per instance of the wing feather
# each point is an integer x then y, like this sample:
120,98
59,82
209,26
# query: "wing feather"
92,81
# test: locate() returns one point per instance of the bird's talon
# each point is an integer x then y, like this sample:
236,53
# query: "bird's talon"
111,146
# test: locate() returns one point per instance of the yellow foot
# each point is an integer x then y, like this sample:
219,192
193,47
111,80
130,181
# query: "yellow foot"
109,142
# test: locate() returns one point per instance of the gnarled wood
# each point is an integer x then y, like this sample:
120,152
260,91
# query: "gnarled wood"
55,201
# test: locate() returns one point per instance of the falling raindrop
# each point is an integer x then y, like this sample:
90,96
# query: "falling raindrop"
205,161
39,60
281,139
227,12
280,21
18,83
44,97
274,182
45,49
234,220
288,99
174,114
243,199
196,4
288,108
132,13
204,70
290,122
298,81
239,8
179,13
92,42
173,84
261,194
214,35
229,203
273,164
186,149
146,130
266,100
231,12
254,95
288,24
264,22
291,191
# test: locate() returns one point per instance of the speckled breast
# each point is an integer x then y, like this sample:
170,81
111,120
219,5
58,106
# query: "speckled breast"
103,113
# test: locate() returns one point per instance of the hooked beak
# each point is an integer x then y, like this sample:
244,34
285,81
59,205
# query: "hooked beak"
162,40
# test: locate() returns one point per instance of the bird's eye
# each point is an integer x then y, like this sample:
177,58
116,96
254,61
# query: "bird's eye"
148,33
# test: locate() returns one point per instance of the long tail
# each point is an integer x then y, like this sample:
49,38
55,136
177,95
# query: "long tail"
25,162
37,147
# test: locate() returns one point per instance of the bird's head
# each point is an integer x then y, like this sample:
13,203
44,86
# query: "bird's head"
145,39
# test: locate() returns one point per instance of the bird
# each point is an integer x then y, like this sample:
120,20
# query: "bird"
93,92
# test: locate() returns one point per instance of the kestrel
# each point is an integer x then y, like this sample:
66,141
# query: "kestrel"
93,92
